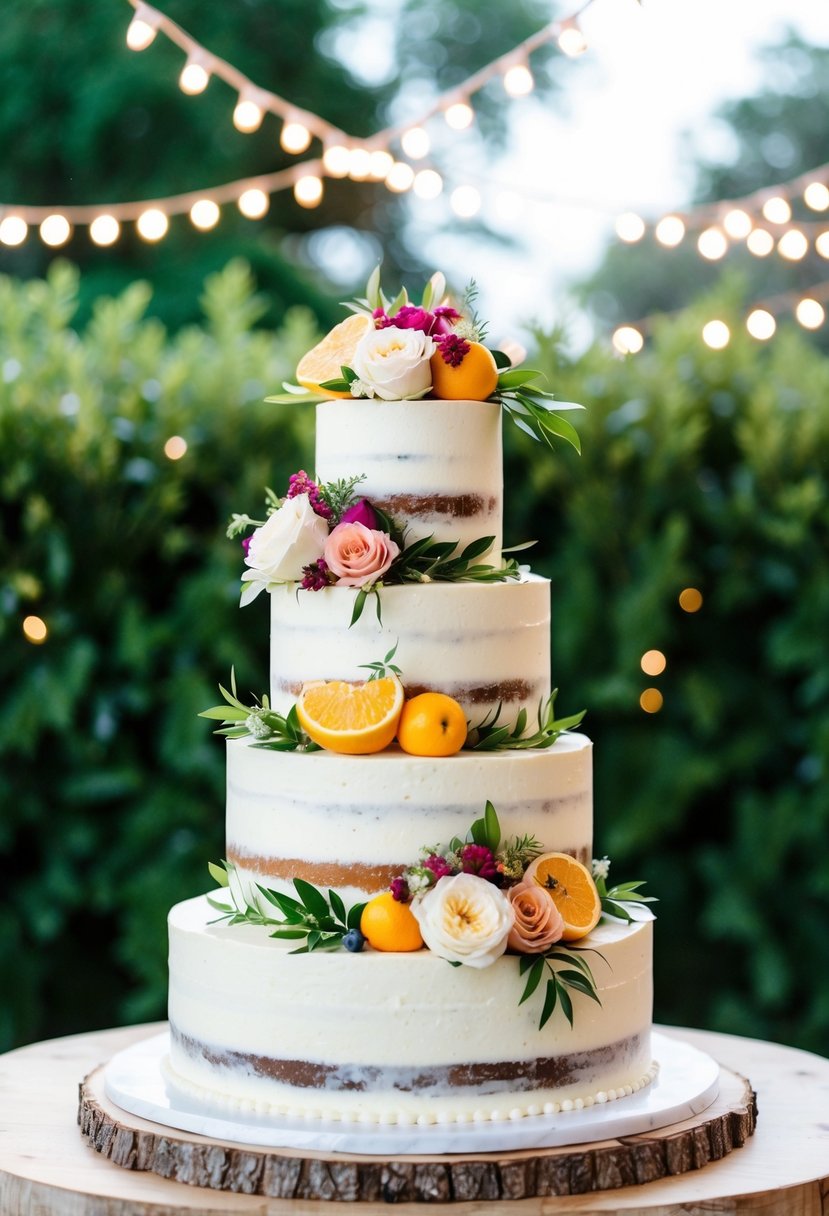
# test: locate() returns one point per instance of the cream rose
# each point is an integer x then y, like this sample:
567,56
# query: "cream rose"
358,555
395,362
291,538
538,922
465,919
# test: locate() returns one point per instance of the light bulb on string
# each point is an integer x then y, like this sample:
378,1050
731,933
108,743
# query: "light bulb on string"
712,244
152,224
294,137
381,163
13,230
194,77
142,30
308,190
465,201
816,196
669,231
253,203
359,164
627,340
415,143
716,334
518,80
777,210
104,230
247,115
810,313
427,184
760,242
630,227
459,115
336,159
400,177
761,324
204,214
793,245
35,630
822,244
737,223
571,40
55,230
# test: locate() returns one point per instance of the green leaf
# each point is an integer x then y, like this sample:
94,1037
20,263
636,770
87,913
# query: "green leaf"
373,289
566,1003
574,979
550,999
359,604
533,979
525,961
289,932
516,378
218,873
312,899
336,385
493,827
223,713
564,429
355,915
214,903
501,360
337,905
610,908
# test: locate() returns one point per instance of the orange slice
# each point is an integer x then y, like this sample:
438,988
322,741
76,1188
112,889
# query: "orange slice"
474,379
572,889
336,350
389,925
354,719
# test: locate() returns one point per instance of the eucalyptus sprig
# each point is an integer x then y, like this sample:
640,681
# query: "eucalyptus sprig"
534,410
490,737
339,495
322,920
575,976
271,730
383,667
615,898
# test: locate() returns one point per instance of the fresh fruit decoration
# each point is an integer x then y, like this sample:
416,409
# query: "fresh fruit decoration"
354,719
393,350
469,903
432,724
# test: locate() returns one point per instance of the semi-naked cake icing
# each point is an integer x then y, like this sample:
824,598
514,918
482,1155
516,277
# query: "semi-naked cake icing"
379,1036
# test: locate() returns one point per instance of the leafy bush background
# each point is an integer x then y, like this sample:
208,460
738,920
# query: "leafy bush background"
699,469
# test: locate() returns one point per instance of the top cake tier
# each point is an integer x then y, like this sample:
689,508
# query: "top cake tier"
435,466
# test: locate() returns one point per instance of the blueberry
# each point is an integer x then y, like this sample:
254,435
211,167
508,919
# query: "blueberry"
354,941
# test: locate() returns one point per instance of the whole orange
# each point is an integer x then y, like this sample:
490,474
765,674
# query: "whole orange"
474,379
432,724
389,925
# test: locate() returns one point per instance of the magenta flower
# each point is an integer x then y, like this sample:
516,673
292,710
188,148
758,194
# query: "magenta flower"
301,483
363,513
400,890
445,318
412,317
452,348
478,859
315,575
246,544
439,866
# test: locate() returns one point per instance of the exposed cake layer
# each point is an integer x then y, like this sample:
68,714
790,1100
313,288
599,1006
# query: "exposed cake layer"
355,822
434,465
406,1035
484,644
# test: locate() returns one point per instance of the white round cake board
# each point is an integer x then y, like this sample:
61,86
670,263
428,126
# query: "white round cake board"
687,1083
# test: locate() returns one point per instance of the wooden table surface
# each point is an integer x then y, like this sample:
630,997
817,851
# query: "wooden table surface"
46,1168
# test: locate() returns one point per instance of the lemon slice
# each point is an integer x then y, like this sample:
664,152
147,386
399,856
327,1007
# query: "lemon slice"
354,719
335,350
572,889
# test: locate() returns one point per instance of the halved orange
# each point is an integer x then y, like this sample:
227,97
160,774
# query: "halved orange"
572,889
335,350
354,719
474,379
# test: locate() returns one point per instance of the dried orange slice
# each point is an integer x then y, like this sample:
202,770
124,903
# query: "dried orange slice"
354,719
336,350
572,890
474,379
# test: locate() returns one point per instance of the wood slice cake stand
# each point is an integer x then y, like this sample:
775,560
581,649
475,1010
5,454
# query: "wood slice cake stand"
132,1142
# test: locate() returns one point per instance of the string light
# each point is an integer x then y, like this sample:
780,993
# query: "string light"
627,340
690,599
415,143
308,190
777,210
737,223
669,231
254,203
194,77
653,662
651,700
810,313
175,447
104,230
793,245
142,29
427,184
35,630
760,242
822,244
761,324
630,227
571,40
712,244
816,196
55,230
13,230
294,137
518,80
716,334
381,163
359,164
336,159
465,201
400,177
204,214
152,224
247,115
459,115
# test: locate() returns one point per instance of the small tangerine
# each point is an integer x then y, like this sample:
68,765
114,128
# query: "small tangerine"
389,925
474,379
432,724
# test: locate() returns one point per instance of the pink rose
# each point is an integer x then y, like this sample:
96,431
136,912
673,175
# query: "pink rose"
358,555
538,923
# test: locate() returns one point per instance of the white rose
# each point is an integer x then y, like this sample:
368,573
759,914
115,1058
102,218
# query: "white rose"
465,919
293,537
395,362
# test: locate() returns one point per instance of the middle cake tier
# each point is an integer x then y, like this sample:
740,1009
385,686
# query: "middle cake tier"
485,644
353,823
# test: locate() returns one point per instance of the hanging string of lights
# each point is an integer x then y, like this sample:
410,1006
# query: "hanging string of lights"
384,157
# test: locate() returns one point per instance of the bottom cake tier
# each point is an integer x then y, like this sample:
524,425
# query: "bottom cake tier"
397,1038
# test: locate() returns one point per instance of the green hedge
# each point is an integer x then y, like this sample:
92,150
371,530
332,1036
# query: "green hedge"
699,469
